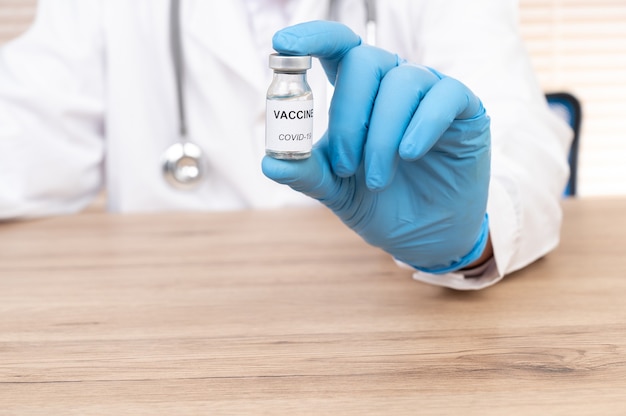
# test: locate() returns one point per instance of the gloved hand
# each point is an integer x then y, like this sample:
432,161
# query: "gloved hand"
405,161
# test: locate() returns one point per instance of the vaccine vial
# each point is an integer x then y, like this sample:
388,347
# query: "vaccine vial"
289,109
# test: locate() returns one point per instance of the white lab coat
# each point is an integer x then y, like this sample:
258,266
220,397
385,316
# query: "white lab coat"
87,100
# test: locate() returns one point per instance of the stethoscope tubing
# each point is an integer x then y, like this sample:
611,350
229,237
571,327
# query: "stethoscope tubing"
176,47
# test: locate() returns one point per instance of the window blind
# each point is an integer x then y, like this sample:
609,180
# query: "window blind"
579,46
15,17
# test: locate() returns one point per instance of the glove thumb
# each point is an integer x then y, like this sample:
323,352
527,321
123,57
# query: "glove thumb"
328,41
312,176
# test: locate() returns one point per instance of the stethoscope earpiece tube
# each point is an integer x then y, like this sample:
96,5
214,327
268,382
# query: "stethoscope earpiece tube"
176,47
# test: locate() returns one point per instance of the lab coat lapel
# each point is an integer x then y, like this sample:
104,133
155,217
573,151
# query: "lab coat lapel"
222,28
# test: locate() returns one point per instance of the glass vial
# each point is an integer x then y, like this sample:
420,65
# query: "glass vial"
289,109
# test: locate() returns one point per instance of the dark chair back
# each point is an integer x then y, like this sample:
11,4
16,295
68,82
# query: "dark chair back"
568,107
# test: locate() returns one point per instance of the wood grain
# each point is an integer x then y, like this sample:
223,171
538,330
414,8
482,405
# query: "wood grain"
288,312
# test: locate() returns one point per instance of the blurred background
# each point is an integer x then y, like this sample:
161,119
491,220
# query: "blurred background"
577,46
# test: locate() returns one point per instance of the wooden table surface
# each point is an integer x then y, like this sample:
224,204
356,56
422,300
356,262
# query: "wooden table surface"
288,312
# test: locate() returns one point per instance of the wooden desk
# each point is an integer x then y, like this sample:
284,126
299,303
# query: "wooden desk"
290,313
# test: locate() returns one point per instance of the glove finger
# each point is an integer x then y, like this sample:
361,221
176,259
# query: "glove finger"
359,75
446,101
399,95
311,176
329,41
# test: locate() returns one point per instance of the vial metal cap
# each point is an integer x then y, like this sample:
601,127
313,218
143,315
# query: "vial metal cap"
290,63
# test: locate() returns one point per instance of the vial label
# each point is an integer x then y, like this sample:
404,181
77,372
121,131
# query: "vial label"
289,127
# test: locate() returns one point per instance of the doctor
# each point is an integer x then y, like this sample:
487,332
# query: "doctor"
439,148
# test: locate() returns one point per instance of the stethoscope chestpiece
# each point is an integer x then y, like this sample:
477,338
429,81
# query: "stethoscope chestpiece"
182,165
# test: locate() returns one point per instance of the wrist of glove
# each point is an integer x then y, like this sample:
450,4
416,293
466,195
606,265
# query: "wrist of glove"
456,264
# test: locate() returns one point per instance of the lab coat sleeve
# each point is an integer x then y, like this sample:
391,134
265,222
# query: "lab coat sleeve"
478,42
51,112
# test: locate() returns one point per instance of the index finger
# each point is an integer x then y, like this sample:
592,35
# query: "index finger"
328,41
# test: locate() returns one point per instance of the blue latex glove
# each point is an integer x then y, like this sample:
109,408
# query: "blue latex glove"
406,159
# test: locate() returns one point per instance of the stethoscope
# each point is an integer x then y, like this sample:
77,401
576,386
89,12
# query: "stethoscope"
183,161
